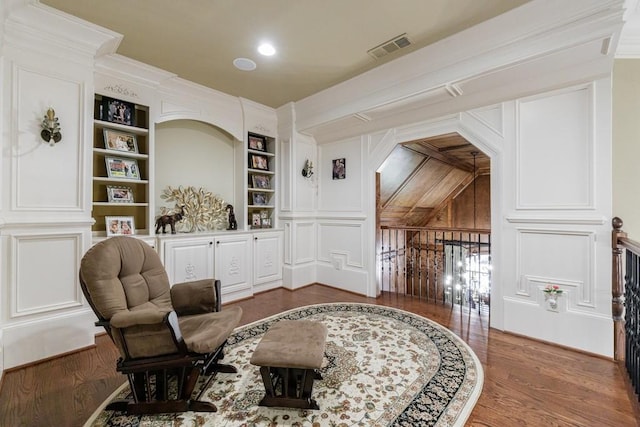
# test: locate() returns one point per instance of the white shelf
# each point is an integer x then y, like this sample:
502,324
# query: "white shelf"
124,128
263,153
260,190
130,181
261,171
119,204
118,153
261,207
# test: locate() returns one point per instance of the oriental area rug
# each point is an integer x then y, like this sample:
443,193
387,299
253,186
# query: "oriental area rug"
382,367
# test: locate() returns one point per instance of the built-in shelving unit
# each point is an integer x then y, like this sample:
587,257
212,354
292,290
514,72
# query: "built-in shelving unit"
121,164
261,183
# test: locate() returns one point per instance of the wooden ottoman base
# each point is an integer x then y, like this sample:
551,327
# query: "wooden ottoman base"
289,355
289,387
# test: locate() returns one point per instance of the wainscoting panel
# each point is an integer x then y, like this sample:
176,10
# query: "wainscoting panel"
563,258
44,272
304,235
341,244
35,186
555,151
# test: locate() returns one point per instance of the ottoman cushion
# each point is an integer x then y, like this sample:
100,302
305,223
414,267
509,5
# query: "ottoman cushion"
292,344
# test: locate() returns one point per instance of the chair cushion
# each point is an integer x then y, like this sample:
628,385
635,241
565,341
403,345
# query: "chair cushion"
204,333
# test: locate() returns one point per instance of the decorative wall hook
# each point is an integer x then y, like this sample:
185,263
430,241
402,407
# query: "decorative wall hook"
307,170
51,128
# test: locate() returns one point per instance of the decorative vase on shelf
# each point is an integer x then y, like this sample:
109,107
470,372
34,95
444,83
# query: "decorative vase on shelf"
552,300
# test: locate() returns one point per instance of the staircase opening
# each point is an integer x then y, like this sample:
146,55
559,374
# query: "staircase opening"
434,222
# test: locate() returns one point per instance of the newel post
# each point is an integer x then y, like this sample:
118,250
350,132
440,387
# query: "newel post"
617,290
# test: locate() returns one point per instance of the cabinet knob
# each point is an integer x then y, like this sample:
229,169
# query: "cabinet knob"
255,238
210,243
217,242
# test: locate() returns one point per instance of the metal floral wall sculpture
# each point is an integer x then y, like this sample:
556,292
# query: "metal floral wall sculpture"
202,209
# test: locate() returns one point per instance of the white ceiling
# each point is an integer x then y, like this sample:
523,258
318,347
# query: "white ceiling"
320,42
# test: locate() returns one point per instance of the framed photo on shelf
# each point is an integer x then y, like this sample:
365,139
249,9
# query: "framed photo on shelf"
119,226
265,223
116,194
255,220
122,168
117,111
261,181
257,142
256,161
120,141
259,199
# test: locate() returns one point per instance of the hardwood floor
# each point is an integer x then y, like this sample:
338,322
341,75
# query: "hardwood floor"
527,383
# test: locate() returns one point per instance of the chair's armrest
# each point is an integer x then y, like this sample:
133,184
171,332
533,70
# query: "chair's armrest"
200,296
147,316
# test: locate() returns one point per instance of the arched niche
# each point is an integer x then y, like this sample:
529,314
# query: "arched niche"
194,153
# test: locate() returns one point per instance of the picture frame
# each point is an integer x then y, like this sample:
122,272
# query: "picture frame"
117,111
265,223
118,194
257,161
339,168
255,220
262,182
257,142
122,168
259,199
119,226
120,141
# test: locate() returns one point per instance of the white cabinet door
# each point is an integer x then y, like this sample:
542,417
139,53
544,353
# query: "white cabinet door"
233,266
189,259
267,256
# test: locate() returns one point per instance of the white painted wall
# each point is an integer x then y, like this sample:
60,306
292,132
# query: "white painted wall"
191,153
626,144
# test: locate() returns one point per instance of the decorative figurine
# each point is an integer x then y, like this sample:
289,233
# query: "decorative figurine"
233,224
163,220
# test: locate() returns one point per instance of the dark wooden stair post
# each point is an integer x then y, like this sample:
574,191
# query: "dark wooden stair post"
617,290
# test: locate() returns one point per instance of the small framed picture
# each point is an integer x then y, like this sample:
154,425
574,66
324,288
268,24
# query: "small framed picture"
122,168
339,169
257,142
120,141
257,161
265,223
261,181
119,225
117,194
259,199
255,220
116,111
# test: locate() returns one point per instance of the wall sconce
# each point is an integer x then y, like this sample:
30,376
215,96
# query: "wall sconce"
51,128
307,170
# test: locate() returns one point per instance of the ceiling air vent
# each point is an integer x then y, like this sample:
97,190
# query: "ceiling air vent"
389,46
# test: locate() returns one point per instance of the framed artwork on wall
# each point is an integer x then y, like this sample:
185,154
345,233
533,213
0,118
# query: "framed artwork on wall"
122,168
339,169
117,111
119,225
120,141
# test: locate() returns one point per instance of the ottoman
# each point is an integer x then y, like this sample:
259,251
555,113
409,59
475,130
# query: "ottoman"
289,355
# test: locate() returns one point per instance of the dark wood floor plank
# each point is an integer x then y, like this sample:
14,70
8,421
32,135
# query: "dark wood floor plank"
527,383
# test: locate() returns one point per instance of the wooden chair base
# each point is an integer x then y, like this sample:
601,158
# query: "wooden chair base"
155,407
289,387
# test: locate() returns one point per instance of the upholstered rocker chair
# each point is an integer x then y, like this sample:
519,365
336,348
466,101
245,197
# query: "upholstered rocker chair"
167,336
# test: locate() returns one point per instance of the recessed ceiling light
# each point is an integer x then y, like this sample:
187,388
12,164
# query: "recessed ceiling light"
244,64
266,49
